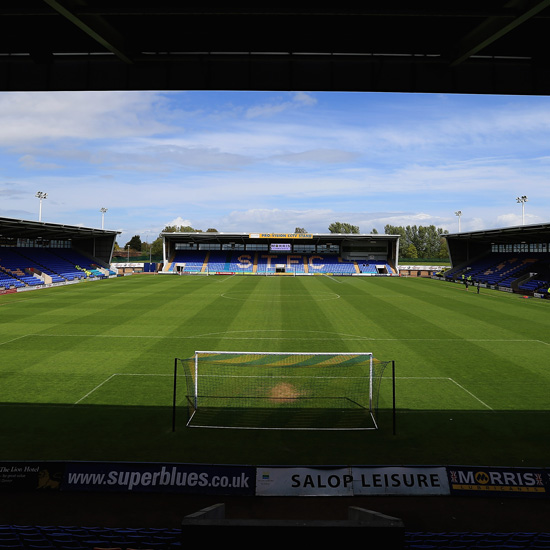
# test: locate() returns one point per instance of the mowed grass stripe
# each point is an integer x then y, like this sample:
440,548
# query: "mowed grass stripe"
115,342
469,352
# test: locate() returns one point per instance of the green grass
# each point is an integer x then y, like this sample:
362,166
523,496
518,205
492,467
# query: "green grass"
86,370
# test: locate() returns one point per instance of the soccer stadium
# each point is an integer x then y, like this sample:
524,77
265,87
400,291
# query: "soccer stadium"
273,383
353,351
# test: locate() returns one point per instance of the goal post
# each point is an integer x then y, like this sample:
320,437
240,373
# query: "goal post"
281,390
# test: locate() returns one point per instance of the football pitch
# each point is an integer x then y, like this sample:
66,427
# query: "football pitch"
87,370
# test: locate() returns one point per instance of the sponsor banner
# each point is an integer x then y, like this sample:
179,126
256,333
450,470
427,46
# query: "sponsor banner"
304,482
154,478
523,482
30,476
356,481
280,236
393,480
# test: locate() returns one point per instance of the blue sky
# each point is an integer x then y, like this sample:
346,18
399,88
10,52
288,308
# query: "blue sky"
274,161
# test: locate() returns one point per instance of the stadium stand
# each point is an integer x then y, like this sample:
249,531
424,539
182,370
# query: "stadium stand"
238,262
73,259
188,261
46,261
331,264
53,537
7,281
528,272
217,261
20,267
486,540
22,537
258,263
262,265
535,285
374,267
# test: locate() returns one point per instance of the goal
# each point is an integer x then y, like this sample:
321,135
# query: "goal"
275,390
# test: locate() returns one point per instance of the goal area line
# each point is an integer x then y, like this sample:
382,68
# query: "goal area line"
203,419
326,410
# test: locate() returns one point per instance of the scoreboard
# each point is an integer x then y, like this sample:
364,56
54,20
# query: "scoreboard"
280,247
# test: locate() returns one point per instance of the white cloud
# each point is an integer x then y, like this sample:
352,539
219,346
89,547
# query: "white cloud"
38,116
278,106
318,156
30,162
179,221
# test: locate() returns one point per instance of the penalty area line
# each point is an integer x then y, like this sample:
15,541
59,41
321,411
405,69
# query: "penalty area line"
95,389
441,378
471,394
109,378
232,336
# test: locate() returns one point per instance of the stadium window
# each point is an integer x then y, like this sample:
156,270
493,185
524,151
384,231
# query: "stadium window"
328,248
374,248
538,247
233,246
8,241
256,247
307,248
520,247
57,243
506,248
209,246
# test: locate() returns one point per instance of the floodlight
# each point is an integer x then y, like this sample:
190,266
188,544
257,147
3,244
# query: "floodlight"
103,210
41,195
522,200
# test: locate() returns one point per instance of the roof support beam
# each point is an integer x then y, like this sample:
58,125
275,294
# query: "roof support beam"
494,28
93,25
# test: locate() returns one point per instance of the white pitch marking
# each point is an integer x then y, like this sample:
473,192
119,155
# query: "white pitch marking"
470,393
14,339
96,388
231,335
118,374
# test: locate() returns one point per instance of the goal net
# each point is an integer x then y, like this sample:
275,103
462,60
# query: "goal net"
263,390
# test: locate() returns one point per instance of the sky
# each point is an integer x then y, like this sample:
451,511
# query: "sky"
274,161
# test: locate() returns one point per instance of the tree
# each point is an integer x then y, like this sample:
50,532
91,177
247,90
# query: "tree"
156,247
134,243
182,228
339,227
395,230
300,230
410,251
422,241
